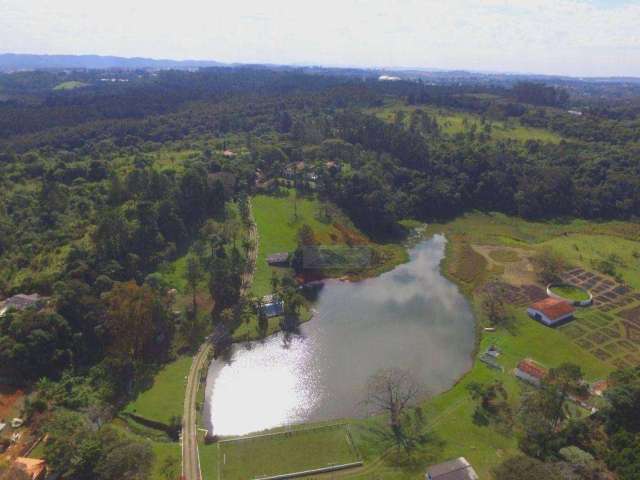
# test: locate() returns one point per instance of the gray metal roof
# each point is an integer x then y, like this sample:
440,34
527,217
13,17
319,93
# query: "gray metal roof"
458,469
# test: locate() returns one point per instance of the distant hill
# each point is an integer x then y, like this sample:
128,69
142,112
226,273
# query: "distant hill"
12,62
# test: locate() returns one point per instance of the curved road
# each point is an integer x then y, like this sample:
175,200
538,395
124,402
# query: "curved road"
190,455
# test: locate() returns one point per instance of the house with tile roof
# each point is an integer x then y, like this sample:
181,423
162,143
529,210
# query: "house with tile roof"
530,372
551,311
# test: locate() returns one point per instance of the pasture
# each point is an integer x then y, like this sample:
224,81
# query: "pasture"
286,452
165,398
453,122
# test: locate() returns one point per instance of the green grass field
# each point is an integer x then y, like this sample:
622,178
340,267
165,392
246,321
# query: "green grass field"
586,250
165,398
168,462
452,122
570,292
277,231
208,459
70,85
285,452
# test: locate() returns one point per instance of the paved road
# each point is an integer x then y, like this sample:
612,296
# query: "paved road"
190,455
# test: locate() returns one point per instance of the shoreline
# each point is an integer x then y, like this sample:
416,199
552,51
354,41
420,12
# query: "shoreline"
406,247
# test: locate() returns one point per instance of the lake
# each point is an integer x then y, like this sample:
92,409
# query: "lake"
411,318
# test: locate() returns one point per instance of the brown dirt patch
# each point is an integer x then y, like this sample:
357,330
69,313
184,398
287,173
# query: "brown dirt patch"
602,355
632,332
632,359
632,314
467,265
584,343
10,399
518,272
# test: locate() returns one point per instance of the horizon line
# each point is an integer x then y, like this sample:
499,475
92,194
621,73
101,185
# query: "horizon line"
403,68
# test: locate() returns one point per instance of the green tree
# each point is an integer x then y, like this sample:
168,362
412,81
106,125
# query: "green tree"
122,457
193,275
543,411
72,448
526,468
549,265
395,392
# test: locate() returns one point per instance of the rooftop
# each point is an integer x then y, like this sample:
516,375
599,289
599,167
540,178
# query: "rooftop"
553,308
532,368
278,258
458,469
20,302
33,467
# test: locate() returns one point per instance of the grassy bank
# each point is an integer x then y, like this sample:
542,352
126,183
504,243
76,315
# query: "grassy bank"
286,452
165,398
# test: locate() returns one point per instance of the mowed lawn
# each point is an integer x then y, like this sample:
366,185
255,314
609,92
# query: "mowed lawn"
278,229
286,452
165,399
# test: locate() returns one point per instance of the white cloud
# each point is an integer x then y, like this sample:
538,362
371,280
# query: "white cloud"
548,36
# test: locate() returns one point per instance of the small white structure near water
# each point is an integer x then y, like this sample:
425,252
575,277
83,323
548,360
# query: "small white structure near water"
272,306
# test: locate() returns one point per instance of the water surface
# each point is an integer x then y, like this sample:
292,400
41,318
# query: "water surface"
411,318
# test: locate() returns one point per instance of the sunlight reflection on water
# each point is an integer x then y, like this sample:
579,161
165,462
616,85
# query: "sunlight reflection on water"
411,317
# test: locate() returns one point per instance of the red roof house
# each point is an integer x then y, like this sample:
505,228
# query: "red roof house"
531,372
551,311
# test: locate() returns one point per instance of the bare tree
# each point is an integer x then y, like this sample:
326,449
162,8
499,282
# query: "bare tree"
396,392
549,264
494,307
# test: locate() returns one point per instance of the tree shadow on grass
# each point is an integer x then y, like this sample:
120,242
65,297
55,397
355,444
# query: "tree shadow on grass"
378,440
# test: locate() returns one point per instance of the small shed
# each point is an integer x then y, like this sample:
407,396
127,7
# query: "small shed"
551,311
272,306
530,372
458,469
278,259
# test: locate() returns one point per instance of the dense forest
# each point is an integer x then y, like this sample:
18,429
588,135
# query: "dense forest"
103,184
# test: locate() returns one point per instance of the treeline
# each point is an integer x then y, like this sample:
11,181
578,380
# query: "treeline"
165,93
414,171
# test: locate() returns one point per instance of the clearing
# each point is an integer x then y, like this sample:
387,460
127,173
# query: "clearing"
280,217
71,85
452,122
165,399
286,452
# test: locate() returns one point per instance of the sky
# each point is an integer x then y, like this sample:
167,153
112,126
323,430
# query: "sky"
568,37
